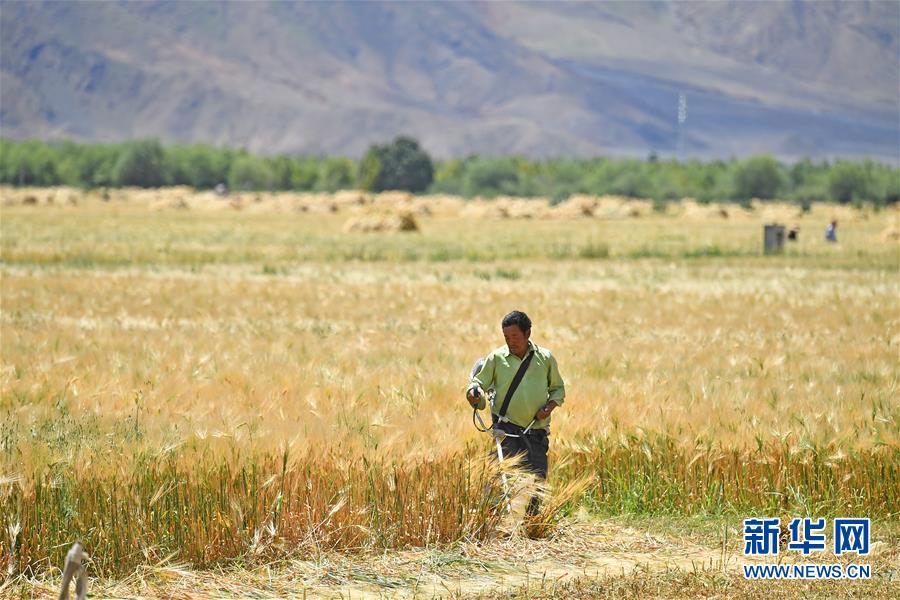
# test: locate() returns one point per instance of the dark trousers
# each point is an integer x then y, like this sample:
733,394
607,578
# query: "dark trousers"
533,448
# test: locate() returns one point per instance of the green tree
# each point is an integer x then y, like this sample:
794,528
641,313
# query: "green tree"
305,174
757,177
369,174
400,165
891,187
147,163
491,177
335,174
633,181
250,173
848,182
142,164
283,171
90,165
197,165
556,178
30,163
448,177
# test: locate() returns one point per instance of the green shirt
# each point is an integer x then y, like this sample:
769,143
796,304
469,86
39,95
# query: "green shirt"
541,383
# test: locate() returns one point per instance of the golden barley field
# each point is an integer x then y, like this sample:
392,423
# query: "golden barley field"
197,383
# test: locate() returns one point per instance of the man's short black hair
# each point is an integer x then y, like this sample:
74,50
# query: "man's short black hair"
518,318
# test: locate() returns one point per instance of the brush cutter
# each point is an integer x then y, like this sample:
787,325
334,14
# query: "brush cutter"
498,434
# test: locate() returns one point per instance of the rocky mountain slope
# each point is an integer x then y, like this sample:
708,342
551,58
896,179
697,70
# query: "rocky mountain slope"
790,78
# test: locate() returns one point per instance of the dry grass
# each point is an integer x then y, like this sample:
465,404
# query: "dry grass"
697,583
278,231
584,558
159,365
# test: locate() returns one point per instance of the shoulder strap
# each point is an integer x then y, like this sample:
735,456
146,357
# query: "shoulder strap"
515,384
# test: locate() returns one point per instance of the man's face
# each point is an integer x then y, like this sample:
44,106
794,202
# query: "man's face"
516,341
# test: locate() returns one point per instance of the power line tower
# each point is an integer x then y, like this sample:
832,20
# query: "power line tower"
682,117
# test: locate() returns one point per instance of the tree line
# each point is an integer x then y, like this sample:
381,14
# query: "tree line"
404,165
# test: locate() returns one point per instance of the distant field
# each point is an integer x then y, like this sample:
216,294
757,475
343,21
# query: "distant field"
242,379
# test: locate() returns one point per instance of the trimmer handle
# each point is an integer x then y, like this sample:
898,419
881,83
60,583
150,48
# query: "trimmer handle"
475,394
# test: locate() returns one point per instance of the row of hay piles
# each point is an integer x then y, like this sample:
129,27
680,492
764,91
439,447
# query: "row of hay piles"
579,205
843,213
274,202
421,206
323,202
775,212
400,202
49,196
617,207
890,234
356,203
690,209
605,207
439,205
767,211
620,207
259,202
736,212
69,196
156,198
392,200
209,201
383,220
505,207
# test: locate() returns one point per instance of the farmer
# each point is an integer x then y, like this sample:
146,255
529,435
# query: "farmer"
539,391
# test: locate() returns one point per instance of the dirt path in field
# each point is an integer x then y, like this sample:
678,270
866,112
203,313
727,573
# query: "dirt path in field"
576,551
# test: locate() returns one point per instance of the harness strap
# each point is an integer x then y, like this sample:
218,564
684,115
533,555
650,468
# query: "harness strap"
482,428
517,379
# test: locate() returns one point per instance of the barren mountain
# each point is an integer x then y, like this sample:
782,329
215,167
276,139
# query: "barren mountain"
565,78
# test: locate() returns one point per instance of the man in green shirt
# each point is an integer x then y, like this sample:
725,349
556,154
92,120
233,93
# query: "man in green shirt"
539,392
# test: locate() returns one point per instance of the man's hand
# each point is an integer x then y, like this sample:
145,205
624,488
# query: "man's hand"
545,412
473,396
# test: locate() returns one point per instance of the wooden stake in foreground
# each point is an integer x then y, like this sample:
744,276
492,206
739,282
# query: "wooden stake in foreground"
75,560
